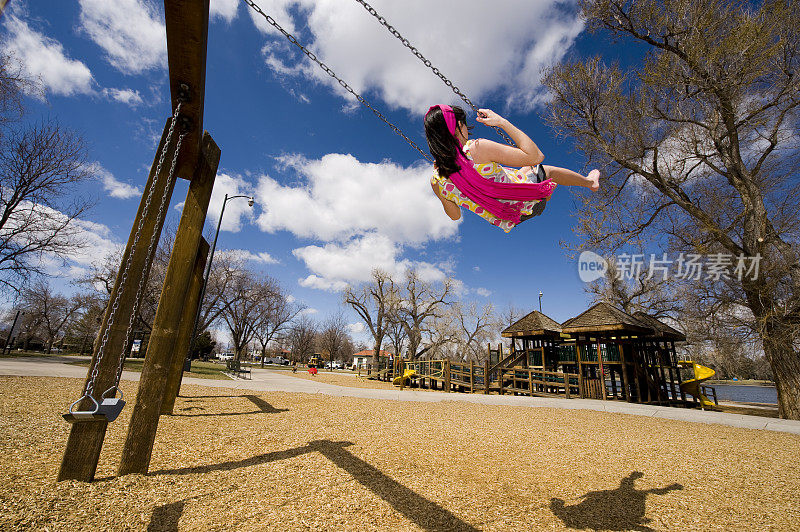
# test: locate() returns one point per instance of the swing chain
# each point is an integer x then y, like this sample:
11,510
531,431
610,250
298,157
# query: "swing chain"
124,278
150,251
332,74
427,63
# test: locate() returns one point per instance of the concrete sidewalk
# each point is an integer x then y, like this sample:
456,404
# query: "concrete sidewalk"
281,381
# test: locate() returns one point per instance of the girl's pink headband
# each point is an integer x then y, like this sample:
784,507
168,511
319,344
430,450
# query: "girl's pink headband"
449,117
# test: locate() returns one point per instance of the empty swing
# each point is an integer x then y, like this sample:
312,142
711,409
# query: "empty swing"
110,406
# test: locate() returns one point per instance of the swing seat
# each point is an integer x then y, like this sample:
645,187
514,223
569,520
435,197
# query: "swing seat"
107,410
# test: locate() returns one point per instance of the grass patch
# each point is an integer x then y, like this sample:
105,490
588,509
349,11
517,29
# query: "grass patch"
18,354
201,370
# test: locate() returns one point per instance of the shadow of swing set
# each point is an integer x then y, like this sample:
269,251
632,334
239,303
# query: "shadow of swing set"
622,508
187,151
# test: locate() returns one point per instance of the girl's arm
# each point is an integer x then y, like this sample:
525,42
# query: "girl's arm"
527,153
450,208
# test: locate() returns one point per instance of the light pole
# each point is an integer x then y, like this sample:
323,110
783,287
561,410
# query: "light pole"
208,271
540,300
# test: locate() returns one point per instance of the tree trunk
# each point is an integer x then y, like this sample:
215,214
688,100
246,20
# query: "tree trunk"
785,363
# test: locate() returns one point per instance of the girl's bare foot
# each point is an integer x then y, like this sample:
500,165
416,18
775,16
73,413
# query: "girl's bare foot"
594,176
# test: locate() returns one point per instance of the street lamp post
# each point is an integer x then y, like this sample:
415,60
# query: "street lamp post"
208,271
540,300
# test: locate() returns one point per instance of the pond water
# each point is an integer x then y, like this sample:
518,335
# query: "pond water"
747,394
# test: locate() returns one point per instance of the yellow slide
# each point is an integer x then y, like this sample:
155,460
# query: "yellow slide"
692,386
406,376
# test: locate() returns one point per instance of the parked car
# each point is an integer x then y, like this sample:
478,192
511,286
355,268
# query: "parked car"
225,356
276,360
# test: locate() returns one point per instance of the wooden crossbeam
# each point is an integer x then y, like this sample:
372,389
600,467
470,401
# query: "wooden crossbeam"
187,43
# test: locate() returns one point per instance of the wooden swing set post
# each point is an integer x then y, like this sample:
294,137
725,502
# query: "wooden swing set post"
162,345
187,38
85,439
183,341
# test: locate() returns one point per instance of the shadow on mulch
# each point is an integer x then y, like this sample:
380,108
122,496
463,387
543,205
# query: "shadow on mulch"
165,518
618,509
263,407
424,513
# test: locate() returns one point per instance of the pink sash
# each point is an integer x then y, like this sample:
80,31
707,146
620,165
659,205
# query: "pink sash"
486,192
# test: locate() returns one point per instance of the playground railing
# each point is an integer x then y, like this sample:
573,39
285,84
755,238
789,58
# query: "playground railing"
537,382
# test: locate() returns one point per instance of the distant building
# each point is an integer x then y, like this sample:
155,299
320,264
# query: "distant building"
362,358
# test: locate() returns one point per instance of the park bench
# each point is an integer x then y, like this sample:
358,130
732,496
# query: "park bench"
235,367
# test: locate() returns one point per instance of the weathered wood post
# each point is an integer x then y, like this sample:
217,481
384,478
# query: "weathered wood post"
184,339
85,440
144,420
486,376
602,370
471,376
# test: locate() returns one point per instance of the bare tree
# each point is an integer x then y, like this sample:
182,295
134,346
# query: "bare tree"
334,338
476,327
374,303
86,325
301,338
242,305
511,314
421,302
275,315
51,311
40,166
699,146
397,333
219,290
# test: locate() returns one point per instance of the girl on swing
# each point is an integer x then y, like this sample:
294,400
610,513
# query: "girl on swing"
475,174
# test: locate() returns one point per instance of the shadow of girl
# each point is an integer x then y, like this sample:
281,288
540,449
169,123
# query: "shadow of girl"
618,509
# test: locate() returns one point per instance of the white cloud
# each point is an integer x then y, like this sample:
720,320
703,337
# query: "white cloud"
131,33
356,328
481,50
261,258
334,266
290,298
44,59
127,96
96,239
341,197
309,311
114,187
483,292
236,208
224,9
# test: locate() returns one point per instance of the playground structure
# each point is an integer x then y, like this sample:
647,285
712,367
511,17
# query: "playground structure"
603,353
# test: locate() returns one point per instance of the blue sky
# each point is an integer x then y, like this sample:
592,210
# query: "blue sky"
337,192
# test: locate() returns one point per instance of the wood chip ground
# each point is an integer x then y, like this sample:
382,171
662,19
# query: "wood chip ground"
241,460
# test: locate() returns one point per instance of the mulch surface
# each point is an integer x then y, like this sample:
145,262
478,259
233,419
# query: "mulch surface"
240,460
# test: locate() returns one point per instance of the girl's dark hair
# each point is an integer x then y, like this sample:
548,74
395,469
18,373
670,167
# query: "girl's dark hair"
443,146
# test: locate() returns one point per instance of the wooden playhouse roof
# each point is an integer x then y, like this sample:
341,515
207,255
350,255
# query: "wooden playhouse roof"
604,317
533,324
662,330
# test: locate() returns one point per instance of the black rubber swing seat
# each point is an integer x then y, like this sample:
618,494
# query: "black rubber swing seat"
106,410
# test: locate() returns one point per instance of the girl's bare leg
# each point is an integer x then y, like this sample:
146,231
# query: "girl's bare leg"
562,176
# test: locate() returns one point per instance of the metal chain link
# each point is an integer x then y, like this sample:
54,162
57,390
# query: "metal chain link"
332,74
428,64
148,260
124,278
